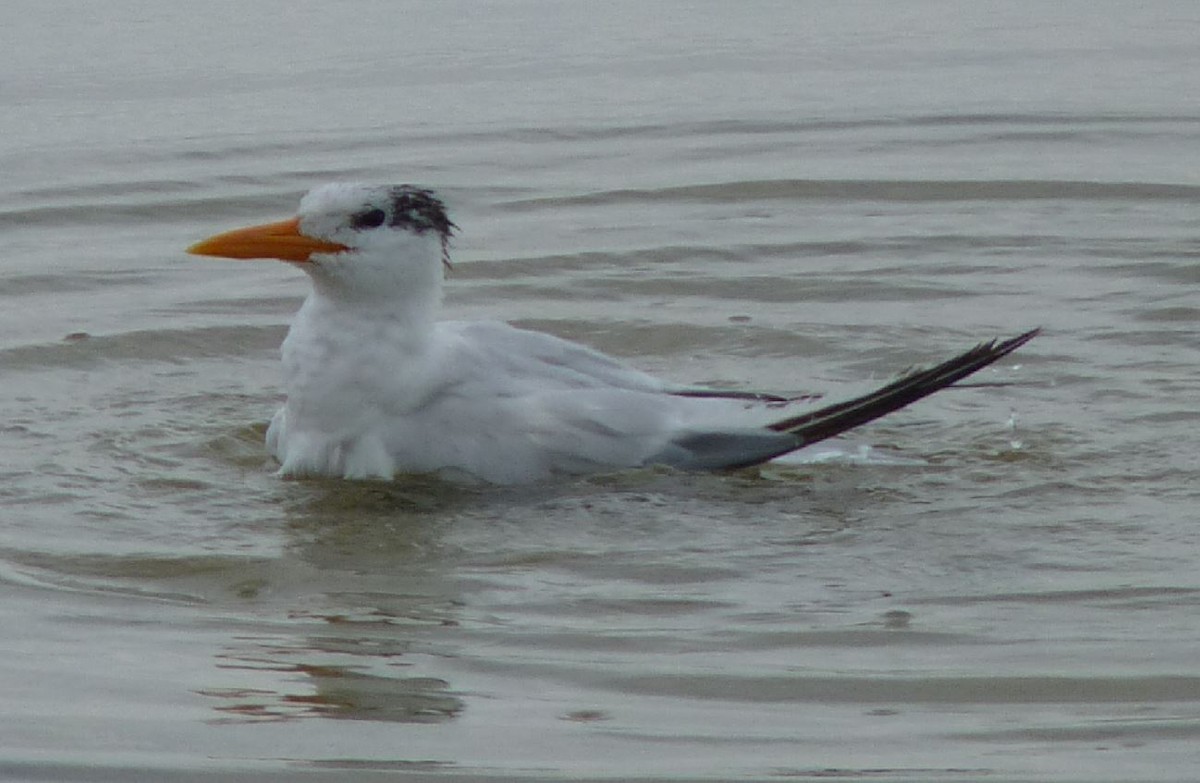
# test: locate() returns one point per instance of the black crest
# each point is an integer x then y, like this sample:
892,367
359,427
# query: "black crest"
415,209
421,210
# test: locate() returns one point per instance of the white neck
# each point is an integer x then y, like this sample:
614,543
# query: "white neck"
357,325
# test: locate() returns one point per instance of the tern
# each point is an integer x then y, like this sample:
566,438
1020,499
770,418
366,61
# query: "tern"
378,386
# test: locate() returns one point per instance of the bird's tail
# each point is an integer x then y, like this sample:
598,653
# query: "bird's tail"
834,419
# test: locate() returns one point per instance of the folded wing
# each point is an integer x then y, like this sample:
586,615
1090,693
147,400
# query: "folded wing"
717,450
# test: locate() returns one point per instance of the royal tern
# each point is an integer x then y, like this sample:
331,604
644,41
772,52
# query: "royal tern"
378,386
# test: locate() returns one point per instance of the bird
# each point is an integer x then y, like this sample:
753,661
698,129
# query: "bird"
378,385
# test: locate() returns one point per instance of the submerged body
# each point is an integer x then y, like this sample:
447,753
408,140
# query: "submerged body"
377,385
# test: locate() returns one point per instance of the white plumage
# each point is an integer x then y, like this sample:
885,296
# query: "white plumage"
377,385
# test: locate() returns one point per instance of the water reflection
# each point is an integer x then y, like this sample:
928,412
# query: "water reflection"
341,692
364,576
374,579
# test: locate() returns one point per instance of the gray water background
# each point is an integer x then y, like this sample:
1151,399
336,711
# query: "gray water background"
789,196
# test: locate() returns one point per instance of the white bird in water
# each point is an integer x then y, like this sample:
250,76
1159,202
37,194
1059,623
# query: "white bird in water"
378,386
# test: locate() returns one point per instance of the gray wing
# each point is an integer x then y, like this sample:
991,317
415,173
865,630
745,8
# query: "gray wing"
747,396
535,361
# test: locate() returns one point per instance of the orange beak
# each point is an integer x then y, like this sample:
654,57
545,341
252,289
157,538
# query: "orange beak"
281,240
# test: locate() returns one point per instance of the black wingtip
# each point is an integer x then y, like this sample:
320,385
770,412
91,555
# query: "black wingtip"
1006,347
837,418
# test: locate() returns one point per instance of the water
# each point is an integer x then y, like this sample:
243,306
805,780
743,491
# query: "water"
787,196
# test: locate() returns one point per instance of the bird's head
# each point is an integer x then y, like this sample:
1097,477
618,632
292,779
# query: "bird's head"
361,241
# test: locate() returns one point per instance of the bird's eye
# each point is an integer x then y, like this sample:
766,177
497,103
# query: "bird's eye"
368,218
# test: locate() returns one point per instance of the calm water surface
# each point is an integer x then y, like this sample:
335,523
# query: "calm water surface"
999,584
